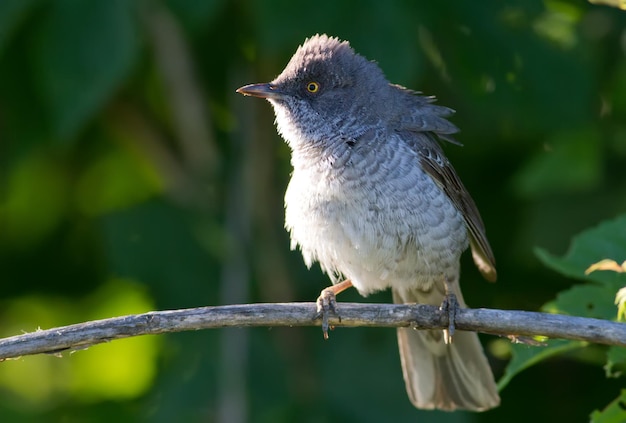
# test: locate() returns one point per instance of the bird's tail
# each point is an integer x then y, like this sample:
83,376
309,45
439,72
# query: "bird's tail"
444,376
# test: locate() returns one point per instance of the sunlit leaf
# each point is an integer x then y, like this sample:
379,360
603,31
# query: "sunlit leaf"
615,412
123,369
620,4
558,23
607,264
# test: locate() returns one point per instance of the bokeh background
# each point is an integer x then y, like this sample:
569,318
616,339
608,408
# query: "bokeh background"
134,178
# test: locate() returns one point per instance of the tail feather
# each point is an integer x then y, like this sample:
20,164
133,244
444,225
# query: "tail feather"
444,376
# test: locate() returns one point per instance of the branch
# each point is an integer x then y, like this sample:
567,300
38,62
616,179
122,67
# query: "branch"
419,316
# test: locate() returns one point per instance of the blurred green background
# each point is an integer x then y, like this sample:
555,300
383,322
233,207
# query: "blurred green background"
133,178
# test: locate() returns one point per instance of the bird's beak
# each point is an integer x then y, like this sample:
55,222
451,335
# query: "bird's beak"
268,91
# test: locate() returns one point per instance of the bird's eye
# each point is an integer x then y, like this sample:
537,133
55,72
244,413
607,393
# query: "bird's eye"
313,87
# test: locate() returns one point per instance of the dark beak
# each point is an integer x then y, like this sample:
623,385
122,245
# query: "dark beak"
261,90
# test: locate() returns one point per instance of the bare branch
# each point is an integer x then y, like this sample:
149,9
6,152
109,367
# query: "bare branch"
419,316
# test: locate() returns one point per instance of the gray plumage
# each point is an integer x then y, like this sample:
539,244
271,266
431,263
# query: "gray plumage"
373,199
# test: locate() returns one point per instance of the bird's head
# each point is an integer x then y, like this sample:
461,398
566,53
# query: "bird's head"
325,88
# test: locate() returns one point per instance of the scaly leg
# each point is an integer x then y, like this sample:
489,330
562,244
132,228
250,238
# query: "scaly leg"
449,306
327,303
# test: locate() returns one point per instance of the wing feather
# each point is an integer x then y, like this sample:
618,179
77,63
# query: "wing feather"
436,164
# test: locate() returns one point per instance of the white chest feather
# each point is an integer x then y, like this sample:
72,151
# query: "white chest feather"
376,219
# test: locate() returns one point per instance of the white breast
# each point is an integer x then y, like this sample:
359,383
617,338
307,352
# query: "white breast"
376,219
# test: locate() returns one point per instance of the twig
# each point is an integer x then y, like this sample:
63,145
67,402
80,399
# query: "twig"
419,316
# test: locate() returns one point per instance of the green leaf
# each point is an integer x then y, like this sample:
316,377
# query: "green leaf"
606,241
616,357
595,299
82,53
525,356
591,300
615,412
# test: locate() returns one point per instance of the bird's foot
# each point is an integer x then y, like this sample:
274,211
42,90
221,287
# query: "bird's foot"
327,304
450,307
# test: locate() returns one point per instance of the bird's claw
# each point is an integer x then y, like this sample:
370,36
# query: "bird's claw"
449,306
326,305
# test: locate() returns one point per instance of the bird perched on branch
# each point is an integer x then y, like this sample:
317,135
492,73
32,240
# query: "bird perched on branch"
374,200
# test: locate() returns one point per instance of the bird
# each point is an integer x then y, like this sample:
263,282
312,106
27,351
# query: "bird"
373,199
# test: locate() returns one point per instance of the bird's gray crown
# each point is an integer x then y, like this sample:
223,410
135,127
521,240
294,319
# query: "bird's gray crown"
330,61
326,56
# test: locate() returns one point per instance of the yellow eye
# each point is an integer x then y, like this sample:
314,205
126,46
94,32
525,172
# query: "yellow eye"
312,87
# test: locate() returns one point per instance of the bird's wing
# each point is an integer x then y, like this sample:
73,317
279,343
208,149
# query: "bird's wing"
436,164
